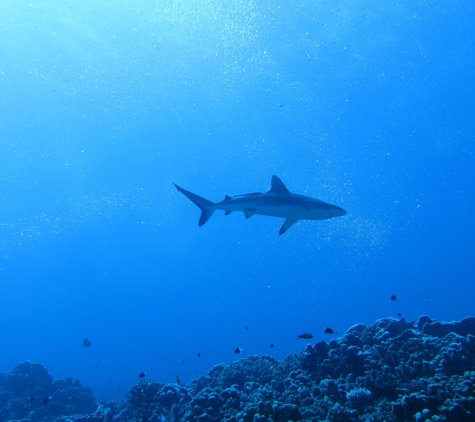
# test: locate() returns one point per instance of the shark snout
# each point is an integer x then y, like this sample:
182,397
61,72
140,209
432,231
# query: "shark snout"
338,212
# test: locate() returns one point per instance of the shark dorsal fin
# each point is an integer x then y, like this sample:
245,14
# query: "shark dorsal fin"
227,198
277,186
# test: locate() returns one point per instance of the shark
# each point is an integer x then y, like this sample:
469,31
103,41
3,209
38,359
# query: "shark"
278,201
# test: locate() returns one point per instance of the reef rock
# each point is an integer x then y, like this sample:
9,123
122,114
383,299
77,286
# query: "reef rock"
26,390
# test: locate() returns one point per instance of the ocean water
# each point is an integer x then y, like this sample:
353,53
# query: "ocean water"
104,105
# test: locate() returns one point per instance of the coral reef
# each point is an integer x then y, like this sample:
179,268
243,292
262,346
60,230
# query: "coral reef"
28,387
392,371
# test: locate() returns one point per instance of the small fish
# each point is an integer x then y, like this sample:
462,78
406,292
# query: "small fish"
46,400
246,328
305,336
182,362
151,368
142,374
199,354
272,345
238,350
399,315
428,298
393,297
328,330
86,343
97,366
177,378
118,388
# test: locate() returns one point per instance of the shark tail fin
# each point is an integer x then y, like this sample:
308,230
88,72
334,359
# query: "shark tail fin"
206,207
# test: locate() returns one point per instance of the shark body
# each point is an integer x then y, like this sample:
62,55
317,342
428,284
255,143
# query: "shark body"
278,201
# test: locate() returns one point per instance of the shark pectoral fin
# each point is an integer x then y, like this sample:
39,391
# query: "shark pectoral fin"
287,225
227,212
249,212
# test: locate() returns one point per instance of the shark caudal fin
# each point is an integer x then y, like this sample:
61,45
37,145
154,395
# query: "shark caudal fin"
206,207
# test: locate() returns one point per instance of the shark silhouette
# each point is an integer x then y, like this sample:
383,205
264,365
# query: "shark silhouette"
278,201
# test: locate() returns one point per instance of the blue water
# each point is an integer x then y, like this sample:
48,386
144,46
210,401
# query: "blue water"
366,105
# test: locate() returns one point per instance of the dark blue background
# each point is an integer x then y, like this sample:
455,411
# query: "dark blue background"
366,105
